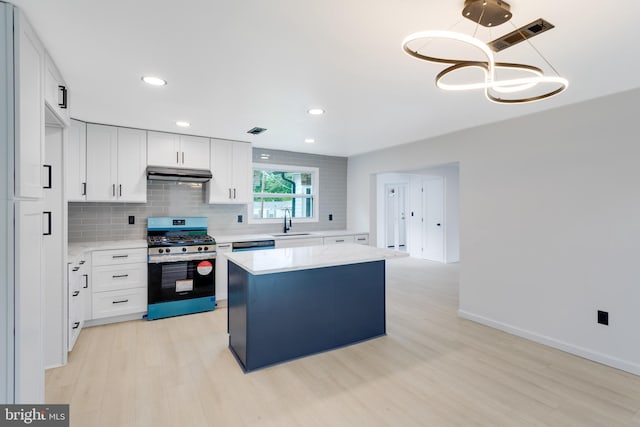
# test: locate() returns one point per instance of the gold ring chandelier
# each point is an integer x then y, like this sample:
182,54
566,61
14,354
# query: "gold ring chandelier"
487,13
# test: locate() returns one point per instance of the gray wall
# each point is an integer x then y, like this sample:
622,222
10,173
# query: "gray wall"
549,222
89,222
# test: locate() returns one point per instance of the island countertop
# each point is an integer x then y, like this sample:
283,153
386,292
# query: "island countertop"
303,258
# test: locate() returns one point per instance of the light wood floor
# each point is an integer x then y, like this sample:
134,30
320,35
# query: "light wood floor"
432,369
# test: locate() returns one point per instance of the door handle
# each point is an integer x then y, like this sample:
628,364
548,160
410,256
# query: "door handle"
76,293
84,188
63,91
177,158
86,281
120,256
113,190
229,193
438,224
234,193
183,157
48,214
120,302
75,325
49,176
120,276
120,190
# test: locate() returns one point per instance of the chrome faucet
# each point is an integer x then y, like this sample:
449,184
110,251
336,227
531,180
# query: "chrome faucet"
285,220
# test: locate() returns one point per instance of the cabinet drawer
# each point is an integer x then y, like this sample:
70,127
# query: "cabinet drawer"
116,303
362,239
294,243
338,239
110,278
119,256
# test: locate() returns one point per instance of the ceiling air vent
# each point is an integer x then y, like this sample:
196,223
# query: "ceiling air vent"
528,31
256,131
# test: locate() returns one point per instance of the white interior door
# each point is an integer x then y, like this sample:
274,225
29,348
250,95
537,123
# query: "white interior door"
433,221
395,216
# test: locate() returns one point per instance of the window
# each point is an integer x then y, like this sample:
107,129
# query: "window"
278,189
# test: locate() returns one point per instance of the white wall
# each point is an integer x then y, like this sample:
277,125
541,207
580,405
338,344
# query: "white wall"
549,222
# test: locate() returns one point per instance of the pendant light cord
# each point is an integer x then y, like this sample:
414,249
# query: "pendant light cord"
535,49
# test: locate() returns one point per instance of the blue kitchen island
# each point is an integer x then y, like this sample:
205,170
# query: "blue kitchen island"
292,302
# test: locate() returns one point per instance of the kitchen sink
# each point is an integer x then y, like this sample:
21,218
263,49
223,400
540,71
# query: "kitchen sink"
290,234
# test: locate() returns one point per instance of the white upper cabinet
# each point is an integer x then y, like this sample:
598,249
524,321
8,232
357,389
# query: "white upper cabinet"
76,162
29,60
177,151
231,169
56,94
116,164
132,165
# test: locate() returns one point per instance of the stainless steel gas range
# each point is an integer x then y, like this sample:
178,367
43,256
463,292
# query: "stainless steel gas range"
181,266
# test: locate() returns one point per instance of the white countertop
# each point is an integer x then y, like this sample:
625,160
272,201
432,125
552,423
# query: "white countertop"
78,248
303,258
277,236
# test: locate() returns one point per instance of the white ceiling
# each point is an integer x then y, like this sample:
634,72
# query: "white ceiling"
235,64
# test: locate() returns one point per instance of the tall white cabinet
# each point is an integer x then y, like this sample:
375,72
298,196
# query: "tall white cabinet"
231,164
23,67
116,164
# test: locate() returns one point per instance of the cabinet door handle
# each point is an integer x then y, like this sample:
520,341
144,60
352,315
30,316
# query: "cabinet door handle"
121,301
223,246
84,188
63,91
75,325
48,232
82,262
49,176
86,281
234,193
339,240
229,193
76,293
113,190
183,157
120,190
76,268
177,157
361,239
120,276
120,256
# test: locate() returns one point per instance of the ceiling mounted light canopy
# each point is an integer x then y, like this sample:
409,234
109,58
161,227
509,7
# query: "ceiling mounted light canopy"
522,77
154,81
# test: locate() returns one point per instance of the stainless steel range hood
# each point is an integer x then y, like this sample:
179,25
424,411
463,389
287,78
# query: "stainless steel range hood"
176,174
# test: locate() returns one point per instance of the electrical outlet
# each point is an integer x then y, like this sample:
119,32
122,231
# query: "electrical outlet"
132,219
330,217
603,317
239,218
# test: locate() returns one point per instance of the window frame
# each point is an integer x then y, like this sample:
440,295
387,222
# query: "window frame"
315,196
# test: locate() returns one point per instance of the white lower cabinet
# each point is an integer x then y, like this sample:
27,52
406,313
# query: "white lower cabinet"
78,282
339,239
119,282
294,243
117,303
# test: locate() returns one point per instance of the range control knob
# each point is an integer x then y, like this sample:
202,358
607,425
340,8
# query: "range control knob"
160,251
168,250
199,248
184,249
206,248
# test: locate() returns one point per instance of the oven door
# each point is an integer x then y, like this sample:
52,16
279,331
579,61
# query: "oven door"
181,280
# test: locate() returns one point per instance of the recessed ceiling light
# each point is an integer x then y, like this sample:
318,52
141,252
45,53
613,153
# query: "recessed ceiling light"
154,81
183,124
315,111
309,140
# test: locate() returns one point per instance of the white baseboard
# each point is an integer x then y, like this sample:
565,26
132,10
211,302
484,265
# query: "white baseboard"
614,362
